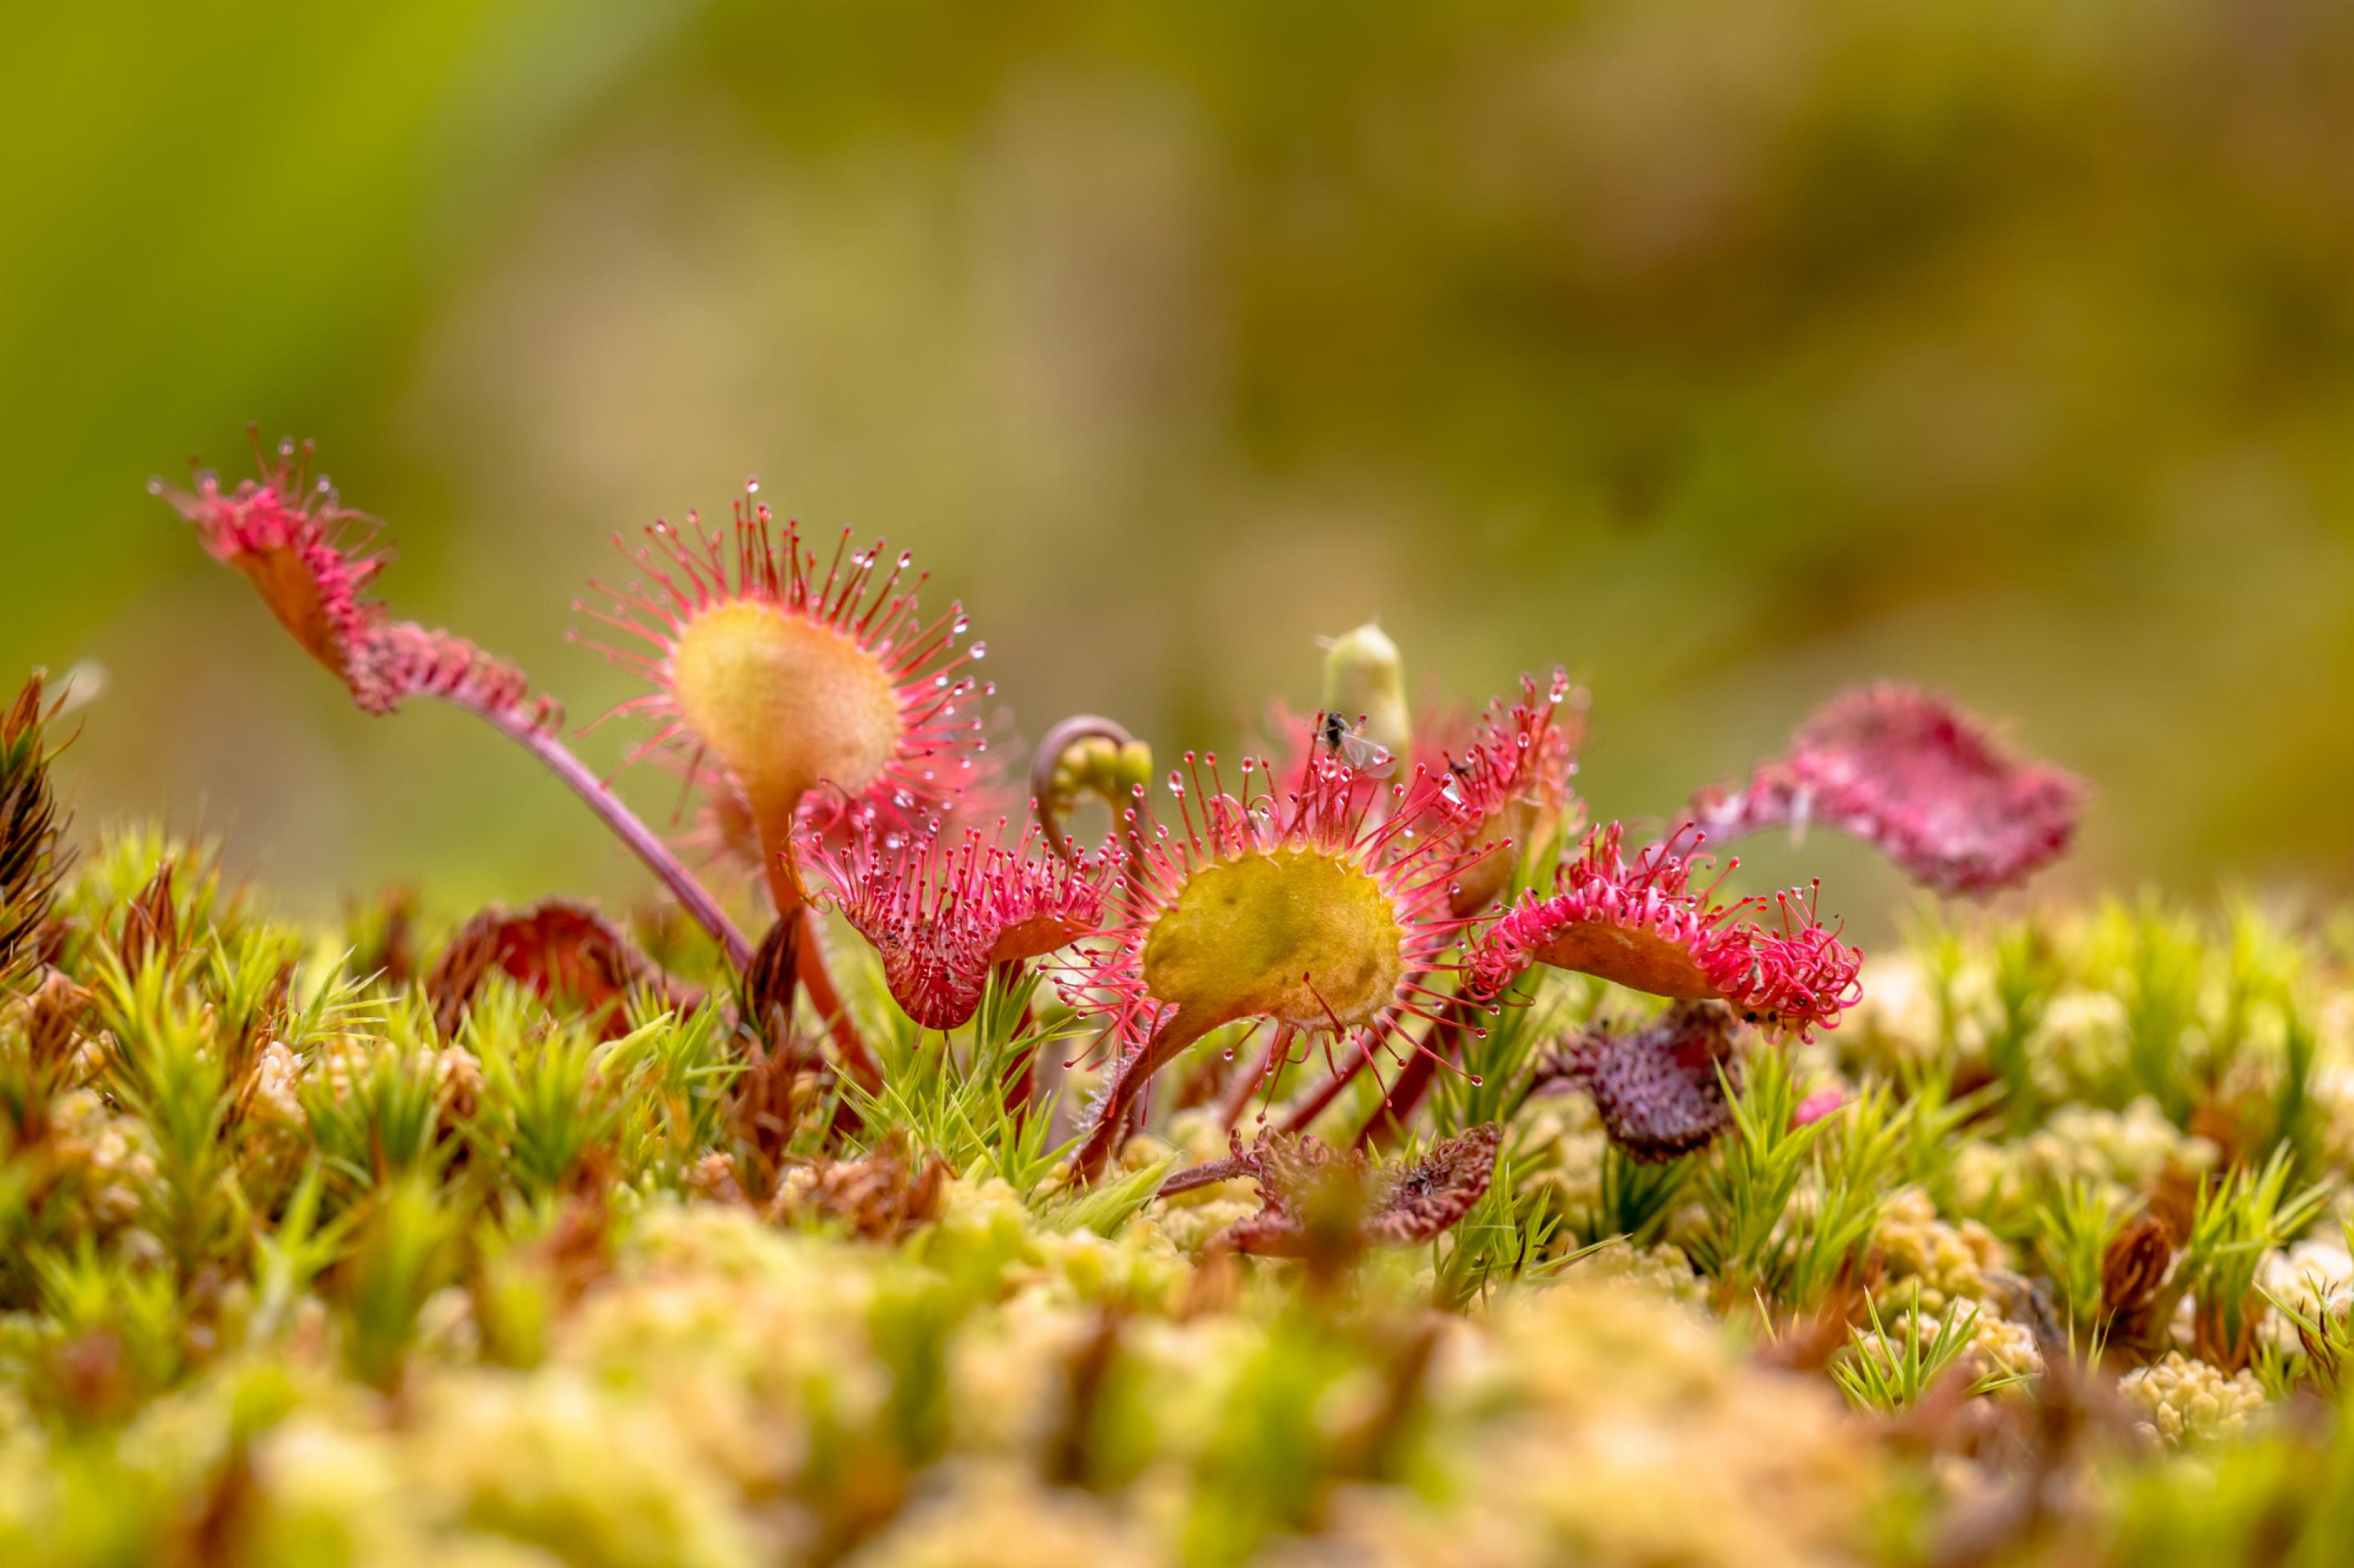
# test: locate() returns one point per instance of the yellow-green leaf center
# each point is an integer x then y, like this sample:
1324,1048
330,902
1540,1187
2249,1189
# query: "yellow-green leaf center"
1294,935
784,703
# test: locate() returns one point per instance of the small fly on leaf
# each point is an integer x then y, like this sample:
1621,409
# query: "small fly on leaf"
1362,754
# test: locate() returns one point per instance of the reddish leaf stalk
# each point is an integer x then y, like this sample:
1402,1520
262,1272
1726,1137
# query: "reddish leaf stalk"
1386,1126
1418,1067
1245,1085
1129,1076
541,743
1203,1174
692,895
818,981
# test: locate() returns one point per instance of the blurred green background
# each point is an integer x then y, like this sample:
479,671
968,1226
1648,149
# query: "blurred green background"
1726,352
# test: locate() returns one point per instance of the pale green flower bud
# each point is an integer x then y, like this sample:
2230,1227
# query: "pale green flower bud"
1364,675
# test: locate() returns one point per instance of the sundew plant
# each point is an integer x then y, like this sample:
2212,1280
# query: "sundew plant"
1354,1153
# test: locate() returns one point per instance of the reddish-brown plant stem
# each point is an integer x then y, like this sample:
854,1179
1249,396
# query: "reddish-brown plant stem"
1386,1127
1051,745
692,895
519,725
1325,1093
1020,1082
1254,1079
809,966
1126,1087
1122,1093
827,1000
1204,1173
1305,1112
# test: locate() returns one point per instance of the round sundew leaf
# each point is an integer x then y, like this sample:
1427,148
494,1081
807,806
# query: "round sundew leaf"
291,588
1041,934
311,560
793,687
785,704
1931,785
935,976
1295,902
1296,934
1641,923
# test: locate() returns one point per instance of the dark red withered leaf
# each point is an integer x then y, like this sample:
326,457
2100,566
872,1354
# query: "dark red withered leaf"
564,950
1315,1196
1657,1087
1432,1194
2134,1265
1649,922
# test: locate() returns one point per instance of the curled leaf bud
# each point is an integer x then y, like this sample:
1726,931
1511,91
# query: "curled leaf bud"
1087,753
1102,765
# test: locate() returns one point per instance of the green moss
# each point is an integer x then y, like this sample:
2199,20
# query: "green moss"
294,1276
